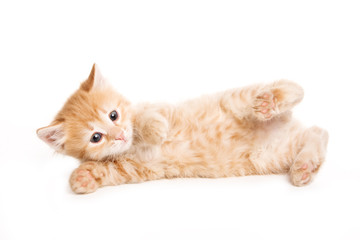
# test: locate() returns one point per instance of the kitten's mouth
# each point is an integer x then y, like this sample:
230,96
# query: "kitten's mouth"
122,138
122,141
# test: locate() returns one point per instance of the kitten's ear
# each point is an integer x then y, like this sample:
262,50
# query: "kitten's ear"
95,80
53,135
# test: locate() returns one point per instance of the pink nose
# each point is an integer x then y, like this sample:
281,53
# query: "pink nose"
120,136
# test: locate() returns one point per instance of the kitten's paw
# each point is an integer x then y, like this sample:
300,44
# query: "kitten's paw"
303,172
155,130
277,98
82,181
265,106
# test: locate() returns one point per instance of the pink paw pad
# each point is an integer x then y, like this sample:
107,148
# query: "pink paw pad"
82,181
265,105
85,183
304,166
302,174
305,176
79,178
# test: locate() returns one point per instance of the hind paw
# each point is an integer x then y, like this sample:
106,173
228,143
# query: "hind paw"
302,173
265,106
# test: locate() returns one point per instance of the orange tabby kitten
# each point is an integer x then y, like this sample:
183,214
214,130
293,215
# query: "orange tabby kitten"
234,133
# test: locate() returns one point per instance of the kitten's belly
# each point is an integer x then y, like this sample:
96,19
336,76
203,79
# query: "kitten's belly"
226,148
210,150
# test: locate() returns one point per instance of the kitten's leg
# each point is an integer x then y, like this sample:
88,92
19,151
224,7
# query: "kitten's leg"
91,175
150,127
277,98
313,143
84,178
263,101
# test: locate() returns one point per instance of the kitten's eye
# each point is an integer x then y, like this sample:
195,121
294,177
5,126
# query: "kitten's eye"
113,115
96,137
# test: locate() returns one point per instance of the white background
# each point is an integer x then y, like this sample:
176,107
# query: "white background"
170,51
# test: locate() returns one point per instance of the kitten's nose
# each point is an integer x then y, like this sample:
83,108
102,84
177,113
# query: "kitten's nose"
117,134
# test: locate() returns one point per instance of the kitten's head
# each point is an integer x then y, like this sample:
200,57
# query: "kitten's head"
94,123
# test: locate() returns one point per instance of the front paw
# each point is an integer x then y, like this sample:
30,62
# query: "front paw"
82,181
155,130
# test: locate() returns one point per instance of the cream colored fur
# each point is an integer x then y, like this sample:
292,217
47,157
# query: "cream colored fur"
239,132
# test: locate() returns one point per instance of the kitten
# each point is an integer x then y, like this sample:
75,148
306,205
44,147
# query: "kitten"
239,132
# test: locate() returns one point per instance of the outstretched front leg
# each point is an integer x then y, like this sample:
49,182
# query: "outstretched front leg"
263,102
91,175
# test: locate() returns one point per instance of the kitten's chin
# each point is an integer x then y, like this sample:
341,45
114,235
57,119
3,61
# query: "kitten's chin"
113,152
119,147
